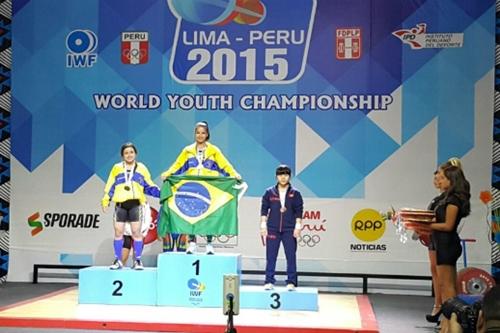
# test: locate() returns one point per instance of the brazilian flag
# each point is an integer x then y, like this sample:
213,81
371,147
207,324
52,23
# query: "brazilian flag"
199,205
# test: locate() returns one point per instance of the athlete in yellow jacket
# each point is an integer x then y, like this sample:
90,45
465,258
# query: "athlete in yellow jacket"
118,191
201,159
128,183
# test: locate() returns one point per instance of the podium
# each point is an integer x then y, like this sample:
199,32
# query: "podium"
184,280
194,280
101,285
279,298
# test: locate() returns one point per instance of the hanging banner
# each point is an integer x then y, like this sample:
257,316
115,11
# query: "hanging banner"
362,99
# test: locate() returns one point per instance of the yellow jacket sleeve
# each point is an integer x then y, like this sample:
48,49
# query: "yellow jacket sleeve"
179,162
224,163
111,180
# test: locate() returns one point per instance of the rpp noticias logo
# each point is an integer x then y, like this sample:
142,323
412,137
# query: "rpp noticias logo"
81,45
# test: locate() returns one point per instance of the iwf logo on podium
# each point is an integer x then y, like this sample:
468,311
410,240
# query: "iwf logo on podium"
135,48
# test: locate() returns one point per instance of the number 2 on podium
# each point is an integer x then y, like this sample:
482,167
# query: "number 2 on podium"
119,285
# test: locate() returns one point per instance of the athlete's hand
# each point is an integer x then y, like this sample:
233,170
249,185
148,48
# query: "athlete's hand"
296,233
263,232
104,209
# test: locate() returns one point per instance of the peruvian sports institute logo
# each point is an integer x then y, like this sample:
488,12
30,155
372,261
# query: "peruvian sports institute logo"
418,38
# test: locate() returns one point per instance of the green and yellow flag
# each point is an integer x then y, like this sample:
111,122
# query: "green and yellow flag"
199,205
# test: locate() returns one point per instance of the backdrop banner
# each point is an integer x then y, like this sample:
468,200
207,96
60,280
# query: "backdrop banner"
362,99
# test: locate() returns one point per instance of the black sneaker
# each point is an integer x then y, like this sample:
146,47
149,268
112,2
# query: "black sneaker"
138,265
117,264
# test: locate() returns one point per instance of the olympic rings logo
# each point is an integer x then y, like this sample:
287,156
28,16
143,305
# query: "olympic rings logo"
224,239
136,54
309,240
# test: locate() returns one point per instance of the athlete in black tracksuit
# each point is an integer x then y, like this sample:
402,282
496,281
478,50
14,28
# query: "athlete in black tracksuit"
281,219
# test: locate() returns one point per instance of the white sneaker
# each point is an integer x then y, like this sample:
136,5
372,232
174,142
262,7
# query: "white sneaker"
138,266
290,287
117,264
191,248
268,286
209,249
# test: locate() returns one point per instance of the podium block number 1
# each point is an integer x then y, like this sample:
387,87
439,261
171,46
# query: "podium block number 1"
197,265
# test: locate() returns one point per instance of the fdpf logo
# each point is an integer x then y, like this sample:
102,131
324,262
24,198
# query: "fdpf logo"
417,38
135,48
348,43
219,12
33,221
81,45
368,225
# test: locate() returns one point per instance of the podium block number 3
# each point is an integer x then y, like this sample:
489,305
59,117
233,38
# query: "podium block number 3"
119,285
276,301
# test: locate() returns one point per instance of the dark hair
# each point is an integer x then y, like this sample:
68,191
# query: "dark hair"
203,124
283,169
459,186
491,304
127,145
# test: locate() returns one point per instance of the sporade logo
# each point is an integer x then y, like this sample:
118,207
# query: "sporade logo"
63,221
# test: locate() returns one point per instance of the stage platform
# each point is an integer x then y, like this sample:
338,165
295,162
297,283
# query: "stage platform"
337,313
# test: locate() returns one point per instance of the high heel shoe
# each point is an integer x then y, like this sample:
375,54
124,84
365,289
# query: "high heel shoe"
433,318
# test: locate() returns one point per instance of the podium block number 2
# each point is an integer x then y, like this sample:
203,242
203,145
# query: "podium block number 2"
119,285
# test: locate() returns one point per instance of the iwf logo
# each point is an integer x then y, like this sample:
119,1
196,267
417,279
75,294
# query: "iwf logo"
34,222
135,48
196,289
81,45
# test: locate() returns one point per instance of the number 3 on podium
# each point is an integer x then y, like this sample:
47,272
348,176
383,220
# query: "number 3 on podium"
276,300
